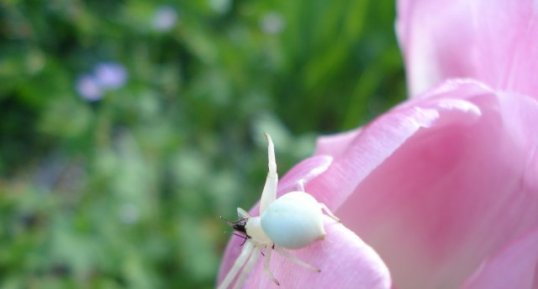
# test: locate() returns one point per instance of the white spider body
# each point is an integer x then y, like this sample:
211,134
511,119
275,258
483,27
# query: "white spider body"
256,233
293,221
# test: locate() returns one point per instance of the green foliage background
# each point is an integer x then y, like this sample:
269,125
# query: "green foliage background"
125,192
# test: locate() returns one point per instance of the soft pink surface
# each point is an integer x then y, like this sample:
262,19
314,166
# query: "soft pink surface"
380,139
495,41
440,183
514,267
466,198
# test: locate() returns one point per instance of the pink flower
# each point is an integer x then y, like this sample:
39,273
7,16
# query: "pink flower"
442,189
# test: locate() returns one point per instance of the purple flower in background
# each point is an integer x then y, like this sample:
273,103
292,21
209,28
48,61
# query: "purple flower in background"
88,87
165,18
106,76
110,75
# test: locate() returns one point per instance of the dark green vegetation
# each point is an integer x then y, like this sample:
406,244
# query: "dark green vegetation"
125,191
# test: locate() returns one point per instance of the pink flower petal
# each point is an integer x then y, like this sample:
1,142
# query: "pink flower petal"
335,144
303,172
436,185
380,139
344,259
513,267
439,183
494,41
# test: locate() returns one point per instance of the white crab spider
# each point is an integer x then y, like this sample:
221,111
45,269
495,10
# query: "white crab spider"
292,221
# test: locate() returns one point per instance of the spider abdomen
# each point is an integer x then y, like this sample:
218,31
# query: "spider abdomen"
293,221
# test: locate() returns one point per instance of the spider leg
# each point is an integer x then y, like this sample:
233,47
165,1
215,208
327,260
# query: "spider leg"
267,270
328,212
239,262
300,185
242,213
296,260
271,182
248,267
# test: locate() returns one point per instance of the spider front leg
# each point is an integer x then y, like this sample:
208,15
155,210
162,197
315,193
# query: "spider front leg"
271,182
242,213
248,267
245,256
300,185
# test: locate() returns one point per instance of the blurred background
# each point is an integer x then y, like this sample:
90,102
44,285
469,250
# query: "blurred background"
128,127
